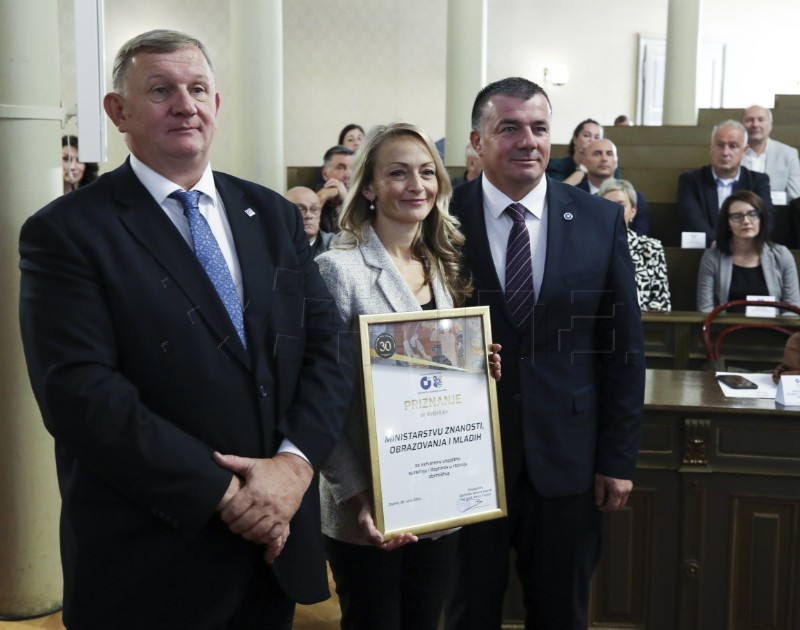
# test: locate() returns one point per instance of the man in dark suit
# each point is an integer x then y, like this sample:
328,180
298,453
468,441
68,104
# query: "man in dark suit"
702,191
310,207
570,400
188,433
337,169
601,164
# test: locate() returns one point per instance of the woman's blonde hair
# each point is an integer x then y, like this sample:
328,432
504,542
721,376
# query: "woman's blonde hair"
438,240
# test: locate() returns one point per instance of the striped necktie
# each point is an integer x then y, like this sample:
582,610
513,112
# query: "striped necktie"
519,269
210,256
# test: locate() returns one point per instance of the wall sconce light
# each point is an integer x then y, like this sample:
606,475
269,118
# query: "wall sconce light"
556,74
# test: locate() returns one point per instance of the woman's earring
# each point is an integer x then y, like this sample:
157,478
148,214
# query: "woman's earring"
372,205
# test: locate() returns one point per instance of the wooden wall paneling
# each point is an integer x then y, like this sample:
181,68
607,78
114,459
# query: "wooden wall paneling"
763,561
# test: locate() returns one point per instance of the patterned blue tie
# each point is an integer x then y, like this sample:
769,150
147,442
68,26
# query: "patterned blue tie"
519,269
210,256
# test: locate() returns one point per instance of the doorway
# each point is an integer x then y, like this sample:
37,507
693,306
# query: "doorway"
650,79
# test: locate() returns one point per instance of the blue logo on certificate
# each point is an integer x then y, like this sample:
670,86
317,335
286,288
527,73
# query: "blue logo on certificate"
431,380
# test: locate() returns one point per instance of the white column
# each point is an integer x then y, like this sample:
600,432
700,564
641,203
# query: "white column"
256,101
683,47
30,177
466,71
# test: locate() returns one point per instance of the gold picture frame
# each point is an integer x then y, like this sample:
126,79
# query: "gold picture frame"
432,422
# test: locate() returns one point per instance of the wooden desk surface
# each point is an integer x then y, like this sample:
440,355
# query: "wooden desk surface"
724,319
684,390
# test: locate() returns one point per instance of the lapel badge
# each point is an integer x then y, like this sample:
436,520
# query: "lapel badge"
250,212
568,216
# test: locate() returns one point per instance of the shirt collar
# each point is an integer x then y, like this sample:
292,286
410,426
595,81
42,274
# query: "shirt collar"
160,188
726,182
497,201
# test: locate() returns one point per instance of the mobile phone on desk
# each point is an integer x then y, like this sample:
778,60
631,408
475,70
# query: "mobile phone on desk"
734,381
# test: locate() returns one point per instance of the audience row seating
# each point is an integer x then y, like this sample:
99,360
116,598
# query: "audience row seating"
665,225
682,266
652,159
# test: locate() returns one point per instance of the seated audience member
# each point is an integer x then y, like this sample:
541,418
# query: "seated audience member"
702,191
649,263
474,167
765,155
351,136
585,133
337,168
601,164
743,261
76,174
622,121
308,203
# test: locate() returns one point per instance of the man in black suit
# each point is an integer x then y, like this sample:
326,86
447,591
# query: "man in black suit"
191,403
702,191
337,169
601,164
571,396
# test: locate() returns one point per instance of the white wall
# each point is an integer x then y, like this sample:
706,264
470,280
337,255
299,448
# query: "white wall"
375,61
205,19
596,40
363,61
762,53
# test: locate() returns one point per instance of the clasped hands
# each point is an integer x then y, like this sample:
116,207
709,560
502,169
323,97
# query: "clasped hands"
263,496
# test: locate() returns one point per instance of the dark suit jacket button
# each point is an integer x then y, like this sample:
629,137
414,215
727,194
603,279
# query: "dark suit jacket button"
517,397
262,391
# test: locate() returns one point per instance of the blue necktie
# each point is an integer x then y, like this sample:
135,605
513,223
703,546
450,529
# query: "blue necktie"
210,256
519,269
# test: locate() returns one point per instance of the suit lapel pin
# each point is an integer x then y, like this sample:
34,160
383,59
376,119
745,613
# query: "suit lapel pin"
250,212
568,216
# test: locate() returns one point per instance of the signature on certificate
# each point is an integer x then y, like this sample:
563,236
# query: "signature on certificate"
465,504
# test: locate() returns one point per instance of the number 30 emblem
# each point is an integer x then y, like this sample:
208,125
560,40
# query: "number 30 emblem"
385,345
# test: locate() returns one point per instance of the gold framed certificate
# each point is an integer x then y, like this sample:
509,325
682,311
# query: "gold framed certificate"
432,423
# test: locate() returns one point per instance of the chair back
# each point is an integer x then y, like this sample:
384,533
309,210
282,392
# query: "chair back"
713,347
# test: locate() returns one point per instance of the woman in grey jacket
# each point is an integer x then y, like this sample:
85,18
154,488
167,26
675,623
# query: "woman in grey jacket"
398,251
743,261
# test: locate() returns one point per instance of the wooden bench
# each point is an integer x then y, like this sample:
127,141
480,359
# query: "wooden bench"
652,158
682,267
687,135
674,341
781,116
665,224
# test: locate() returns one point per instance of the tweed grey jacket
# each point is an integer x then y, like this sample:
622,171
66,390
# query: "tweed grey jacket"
716,268
363,281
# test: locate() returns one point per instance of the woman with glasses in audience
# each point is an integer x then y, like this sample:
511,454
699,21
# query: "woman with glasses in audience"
743,261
